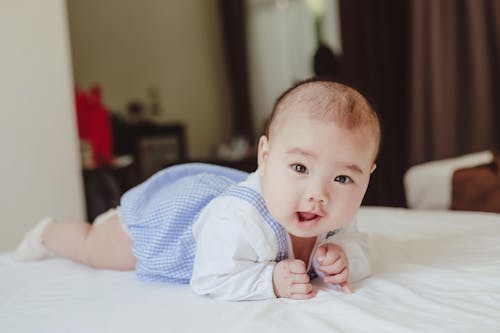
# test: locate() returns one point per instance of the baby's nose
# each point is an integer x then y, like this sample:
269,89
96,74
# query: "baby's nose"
321,200
318,194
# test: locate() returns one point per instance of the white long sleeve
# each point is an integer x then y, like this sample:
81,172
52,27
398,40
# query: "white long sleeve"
235,255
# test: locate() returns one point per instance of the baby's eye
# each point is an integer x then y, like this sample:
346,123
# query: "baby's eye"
297,167
343,179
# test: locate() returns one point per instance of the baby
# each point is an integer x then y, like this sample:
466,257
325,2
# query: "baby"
235,236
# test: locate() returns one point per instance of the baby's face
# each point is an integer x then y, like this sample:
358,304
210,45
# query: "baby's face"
314,174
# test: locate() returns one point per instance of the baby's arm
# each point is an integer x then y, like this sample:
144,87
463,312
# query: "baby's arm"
230,261
343,256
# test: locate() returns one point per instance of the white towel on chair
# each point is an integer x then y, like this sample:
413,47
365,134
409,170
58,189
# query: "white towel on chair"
428,185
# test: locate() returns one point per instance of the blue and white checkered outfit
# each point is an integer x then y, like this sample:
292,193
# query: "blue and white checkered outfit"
160,213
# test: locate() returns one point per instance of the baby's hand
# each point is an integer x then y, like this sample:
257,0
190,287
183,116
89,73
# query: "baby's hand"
333,263
291,280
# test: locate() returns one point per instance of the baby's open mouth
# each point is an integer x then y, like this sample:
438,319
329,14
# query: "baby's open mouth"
304,216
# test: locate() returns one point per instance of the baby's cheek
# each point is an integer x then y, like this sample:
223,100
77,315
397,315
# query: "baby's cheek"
350,208
281,201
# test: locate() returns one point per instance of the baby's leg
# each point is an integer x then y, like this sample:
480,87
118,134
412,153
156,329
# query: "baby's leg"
104,245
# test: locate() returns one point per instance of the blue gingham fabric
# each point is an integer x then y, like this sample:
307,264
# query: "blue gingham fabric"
160,212
255,199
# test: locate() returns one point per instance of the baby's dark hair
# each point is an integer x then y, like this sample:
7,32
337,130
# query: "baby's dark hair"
329,101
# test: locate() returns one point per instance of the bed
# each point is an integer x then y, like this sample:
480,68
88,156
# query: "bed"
433,271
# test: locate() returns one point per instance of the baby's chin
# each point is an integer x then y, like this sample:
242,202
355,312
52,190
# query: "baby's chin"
302,234
297,229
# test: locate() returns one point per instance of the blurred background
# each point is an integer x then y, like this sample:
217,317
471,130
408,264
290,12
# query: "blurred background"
98,95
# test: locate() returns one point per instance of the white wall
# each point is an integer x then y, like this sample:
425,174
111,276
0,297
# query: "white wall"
39,160
281,44
126,46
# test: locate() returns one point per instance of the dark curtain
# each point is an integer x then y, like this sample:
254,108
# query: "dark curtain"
233,18
454,78
375,53
431,69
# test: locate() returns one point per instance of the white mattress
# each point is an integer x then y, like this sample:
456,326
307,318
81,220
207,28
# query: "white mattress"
434,271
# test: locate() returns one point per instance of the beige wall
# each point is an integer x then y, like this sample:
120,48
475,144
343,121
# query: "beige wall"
40,167
126,46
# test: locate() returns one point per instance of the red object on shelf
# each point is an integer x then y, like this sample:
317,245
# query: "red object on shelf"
94,124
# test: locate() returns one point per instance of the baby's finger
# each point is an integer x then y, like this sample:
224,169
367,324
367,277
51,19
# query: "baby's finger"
345,287
301,288
309,295
332,255
338,278
321,253
297,266
335,268
300,278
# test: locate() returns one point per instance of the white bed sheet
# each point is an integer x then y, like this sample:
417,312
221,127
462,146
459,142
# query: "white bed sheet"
433,271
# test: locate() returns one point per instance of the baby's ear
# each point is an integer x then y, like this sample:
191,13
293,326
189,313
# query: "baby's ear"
374,166
263,152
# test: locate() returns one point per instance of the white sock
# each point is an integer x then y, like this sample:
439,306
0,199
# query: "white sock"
31,247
